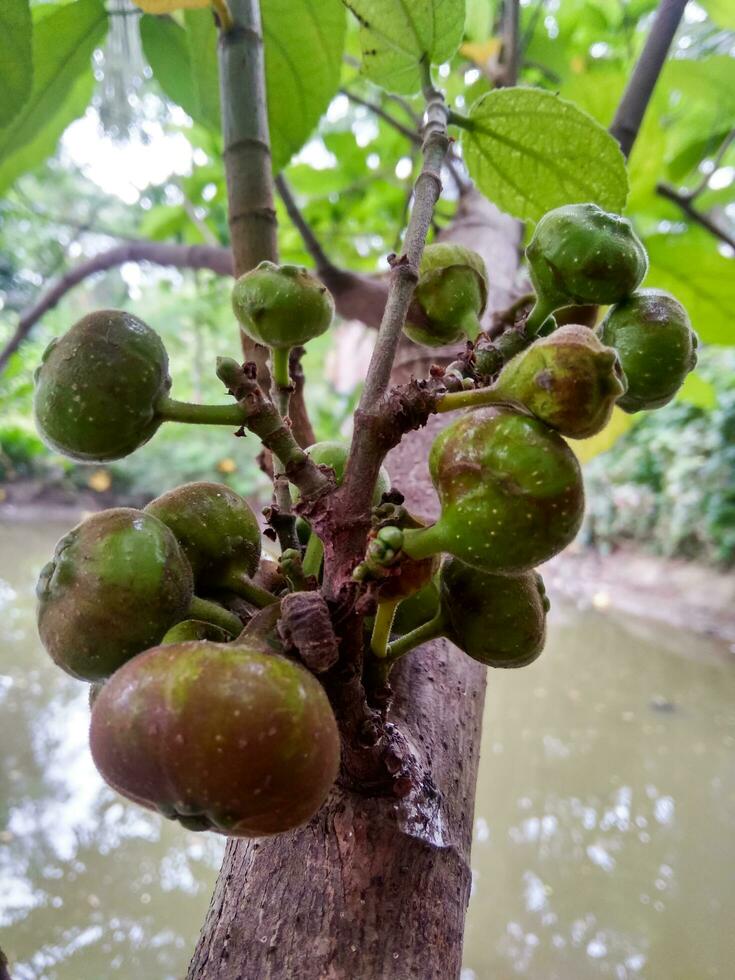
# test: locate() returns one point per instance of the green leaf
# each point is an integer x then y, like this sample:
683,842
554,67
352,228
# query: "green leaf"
304,41
16,59
697,391
396,35
691,268
722,12
63,43
202,39
529,151
166,48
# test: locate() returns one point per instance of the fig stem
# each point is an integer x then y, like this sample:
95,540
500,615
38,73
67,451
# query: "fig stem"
471,325
235,580
382,626
473,398
280,369
423,542
175,411
409,641
210,612
538,316
313,556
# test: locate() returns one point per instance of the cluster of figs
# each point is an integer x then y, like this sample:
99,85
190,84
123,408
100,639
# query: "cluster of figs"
197,712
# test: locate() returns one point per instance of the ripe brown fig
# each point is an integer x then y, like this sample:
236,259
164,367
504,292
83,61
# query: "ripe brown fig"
220,737
569,380
117,582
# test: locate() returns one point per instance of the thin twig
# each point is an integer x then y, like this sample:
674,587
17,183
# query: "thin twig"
511,41
719,156
632,108
410,134
216,259
699,217
368,446
312,244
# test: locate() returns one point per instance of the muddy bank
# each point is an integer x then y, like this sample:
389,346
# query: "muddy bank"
681,594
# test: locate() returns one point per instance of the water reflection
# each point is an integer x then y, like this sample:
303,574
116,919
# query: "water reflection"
89,886
603,832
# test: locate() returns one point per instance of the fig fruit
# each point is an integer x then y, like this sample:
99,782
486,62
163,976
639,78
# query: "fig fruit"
117,582
452,294
510,490
282,306
220,737
499,620
569,380
332,452
656,345
215,527
580,254
98,387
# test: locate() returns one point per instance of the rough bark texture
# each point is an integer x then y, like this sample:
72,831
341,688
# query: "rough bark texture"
375,888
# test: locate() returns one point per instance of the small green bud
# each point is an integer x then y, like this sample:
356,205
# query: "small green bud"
452,293
657,347
282,306
581,254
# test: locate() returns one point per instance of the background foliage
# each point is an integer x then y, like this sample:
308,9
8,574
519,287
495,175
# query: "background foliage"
111,132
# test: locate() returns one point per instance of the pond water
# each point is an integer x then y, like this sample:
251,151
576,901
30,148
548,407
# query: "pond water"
604,841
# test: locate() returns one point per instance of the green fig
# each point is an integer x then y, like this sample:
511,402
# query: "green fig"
98,387
657,347
417,609
282,306
451,292
510,490
332,452
569,380
219,737
498,620
194,629
118,581
215,527
580,254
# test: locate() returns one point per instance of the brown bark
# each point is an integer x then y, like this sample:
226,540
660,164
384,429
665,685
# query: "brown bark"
374,888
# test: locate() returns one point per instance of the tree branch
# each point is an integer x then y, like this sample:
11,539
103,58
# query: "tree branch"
511,42
216,259
368,441
684,202
638,92
312,245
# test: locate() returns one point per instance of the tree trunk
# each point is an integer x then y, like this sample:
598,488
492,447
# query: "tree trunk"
376,887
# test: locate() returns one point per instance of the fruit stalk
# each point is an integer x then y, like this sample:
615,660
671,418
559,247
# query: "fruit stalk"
210,612
382,625
242,585
175,411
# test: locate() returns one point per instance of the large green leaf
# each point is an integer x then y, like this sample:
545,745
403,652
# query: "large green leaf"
202,39
396,35
304,41
63,43
16,61
529,151
722,12
691,267
166,47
